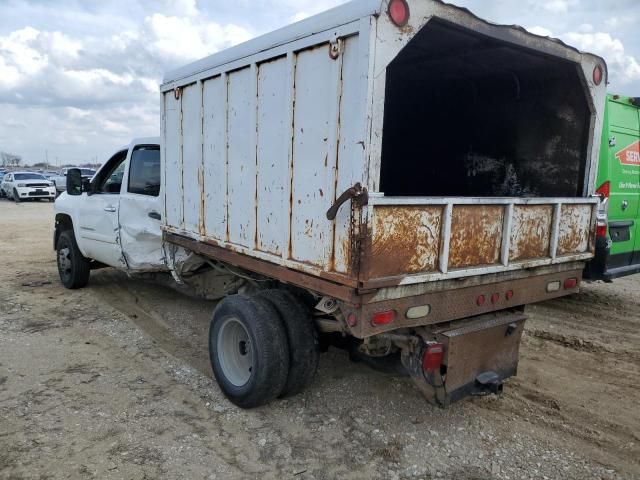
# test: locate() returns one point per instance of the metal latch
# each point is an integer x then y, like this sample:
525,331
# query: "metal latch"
357,194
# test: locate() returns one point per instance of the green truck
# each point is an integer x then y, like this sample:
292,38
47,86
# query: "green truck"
618,183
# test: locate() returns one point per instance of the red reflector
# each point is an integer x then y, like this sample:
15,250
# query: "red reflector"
509,295
570,283
604,190
495,297
383,318
480,300
597,75
601,231
352,320
432,358
399,12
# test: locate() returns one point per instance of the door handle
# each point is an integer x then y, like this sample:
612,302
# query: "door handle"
110,209
155,215
358,194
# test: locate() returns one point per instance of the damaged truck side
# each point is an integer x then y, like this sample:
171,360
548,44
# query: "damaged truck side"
401,175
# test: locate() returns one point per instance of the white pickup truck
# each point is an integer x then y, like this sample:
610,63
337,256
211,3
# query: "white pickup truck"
399,174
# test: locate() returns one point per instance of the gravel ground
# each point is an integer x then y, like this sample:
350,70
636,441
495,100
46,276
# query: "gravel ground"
113,381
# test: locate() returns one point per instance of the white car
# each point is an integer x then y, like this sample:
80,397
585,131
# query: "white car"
60,179
27,185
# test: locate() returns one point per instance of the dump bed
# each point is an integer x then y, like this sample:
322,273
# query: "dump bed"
474,146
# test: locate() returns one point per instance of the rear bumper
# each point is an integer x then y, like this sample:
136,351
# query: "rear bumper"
454,304
606,267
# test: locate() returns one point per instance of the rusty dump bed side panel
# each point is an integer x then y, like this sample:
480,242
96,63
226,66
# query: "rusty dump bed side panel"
414,240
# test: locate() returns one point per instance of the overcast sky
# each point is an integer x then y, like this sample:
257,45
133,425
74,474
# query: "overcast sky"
79,78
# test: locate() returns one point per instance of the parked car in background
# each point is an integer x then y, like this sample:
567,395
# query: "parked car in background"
20,186
60,179
618,183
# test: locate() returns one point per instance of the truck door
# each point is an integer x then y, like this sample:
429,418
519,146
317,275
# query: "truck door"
98,214
140,211
624,171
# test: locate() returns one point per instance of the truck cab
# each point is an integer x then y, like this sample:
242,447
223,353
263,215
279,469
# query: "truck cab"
618,183
114,218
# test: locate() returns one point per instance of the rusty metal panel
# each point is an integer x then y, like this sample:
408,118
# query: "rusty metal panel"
530,231
314,155
405,240
575,224
214,151
191,157
455,303
173,160
467,355
273,157
241,157
351,152
476,235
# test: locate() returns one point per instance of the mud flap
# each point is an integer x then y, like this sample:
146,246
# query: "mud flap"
479,354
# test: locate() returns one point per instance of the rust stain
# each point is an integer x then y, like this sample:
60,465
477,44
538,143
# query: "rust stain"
476,235
201,218
405,240
575,222
530,232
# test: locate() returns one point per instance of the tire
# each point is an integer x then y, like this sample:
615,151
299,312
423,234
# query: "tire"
248,350
73,267
304,350
16,197
51,200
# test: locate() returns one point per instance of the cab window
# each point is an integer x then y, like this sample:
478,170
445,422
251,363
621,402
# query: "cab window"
110,178
144,171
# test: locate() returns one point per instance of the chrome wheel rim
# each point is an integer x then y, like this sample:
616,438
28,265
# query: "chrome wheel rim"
235,352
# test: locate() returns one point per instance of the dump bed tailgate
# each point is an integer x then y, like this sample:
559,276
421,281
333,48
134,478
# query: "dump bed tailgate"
412,240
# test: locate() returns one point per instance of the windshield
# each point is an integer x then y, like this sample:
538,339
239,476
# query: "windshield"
87,172
29,176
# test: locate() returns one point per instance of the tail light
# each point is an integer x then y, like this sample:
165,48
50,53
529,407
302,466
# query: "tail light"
383,318
553,286
495,297
604,190
570,283
480,300
432,358
598,74
601,231
399,12
509,294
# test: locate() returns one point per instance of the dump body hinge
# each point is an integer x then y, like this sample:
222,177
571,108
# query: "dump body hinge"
357,194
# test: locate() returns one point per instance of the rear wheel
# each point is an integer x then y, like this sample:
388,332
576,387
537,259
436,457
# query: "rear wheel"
249,351
301,335
73,267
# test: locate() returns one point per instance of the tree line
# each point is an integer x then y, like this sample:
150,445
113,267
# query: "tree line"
10,160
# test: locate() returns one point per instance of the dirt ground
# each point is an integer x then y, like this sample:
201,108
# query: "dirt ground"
113,381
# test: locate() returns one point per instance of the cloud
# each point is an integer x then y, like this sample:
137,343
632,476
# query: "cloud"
623,68
85,89
80,78
558,6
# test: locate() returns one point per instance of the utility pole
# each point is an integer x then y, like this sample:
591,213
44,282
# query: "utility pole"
46,157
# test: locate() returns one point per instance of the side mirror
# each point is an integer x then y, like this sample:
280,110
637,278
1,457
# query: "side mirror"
74,181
